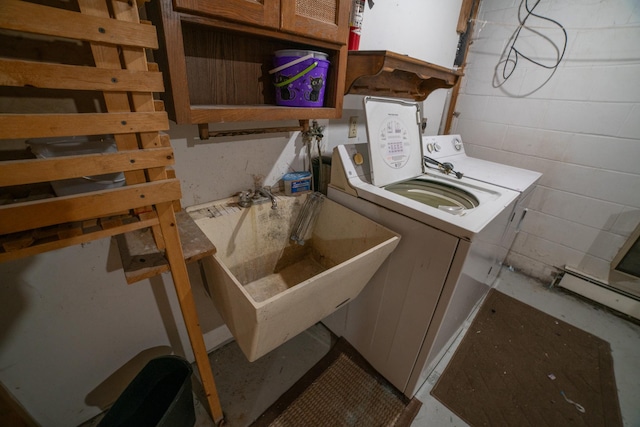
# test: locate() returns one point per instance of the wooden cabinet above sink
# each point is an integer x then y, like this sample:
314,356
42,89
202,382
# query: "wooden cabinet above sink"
318,19
389,74
215,56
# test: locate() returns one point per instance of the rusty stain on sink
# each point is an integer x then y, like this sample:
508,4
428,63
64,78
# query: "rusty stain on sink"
295,265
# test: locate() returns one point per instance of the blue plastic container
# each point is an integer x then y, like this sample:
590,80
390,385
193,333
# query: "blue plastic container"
297,183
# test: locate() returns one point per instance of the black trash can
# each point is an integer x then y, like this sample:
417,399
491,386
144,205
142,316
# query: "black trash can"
160,395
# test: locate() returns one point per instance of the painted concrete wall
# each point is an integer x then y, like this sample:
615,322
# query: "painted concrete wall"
579,125
72,332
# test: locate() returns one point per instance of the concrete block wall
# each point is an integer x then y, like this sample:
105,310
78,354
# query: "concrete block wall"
578,124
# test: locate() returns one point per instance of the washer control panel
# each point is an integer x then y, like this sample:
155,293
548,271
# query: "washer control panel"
441,146
395,143
433,147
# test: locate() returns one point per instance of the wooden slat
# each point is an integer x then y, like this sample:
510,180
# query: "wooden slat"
19,172
25,216
180,276
136,59
76,240
36,19
56,76
53,125
456,89
109,57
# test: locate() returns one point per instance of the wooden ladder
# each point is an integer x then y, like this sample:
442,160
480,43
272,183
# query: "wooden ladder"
120,74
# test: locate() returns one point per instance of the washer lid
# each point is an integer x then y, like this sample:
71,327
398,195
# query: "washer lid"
395,145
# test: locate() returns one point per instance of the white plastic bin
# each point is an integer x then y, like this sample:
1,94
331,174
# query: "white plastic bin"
58,147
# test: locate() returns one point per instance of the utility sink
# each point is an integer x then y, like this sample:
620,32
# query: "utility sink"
269,288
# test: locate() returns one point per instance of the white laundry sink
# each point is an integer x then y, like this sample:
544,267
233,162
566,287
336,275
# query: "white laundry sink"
268,288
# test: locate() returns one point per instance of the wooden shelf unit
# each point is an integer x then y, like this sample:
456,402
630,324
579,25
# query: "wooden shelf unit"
117,74
389,74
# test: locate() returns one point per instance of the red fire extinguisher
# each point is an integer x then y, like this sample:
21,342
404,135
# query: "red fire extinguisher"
355,24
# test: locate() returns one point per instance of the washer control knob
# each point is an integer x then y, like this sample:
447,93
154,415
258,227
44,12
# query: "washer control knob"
358,159
457,144
436,147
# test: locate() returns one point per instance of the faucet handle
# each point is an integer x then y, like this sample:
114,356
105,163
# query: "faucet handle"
244,198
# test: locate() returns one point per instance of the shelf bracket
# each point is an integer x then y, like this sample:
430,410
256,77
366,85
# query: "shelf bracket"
384,73
205,133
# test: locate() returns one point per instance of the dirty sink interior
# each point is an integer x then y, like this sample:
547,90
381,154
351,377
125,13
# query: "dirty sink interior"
268,288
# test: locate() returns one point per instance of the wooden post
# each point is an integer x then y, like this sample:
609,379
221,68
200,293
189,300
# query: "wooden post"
181,282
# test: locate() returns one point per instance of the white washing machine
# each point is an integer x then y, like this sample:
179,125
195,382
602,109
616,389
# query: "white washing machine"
457,217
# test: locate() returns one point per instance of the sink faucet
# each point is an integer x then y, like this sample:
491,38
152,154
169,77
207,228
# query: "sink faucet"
257,197
266,192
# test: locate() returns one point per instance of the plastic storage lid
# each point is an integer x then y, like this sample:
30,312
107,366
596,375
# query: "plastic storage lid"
73,145
300,52
292,176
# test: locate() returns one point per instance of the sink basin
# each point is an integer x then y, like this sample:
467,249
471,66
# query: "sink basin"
268,288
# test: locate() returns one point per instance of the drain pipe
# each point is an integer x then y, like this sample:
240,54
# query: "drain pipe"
314,131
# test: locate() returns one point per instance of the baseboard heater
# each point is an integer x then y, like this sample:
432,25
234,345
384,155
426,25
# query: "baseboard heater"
598,291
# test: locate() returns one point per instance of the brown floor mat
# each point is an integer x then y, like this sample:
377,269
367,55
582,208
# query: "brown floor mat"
515,362
342,389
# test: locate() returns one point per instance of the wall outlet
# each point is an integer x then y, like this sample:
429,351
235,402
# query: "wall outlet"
353,126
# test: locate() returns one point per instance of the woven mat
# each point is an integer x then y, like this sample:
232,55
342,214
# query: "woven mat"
515,362
342,389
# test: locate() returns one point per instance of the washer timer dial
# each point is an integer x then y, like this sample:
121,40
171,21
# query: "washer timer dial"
394,144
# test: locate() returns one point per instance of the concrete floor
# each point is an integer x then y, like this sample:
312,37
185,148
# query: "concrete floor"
247,389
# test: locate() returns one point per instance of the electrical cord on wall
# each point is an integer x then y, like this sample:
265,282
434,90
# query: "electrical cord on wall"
513,50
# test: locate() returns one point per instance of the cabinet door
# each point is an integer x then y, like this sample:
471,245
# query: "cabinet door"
319,19
264,13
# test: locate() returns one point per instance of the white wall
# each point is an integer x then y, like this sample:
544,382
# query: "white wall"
422,29
579,126
74,333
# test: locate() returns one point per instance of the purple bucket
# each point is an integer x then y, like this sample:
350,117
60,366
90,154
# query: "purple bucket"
300,77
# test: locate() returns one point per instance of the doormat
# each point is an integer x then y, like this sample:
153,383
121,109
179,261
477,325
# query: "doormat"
519,366
342,389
